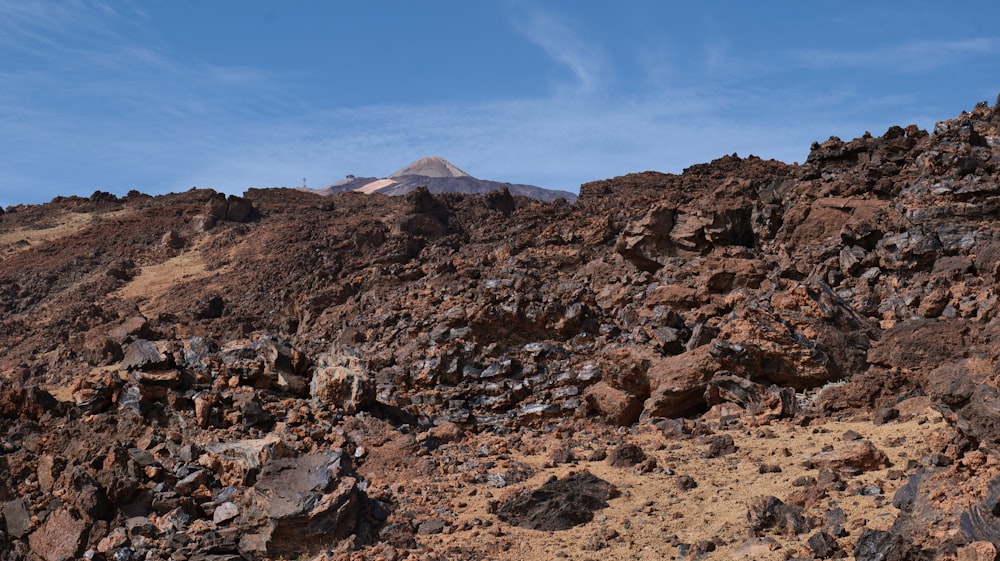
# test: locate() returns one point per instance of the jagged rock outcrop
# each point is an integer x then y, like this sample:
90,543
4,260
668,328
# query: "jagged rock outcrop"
184,354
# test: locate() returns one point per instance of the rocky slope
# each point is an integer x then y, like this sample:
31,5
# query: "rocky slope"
748,360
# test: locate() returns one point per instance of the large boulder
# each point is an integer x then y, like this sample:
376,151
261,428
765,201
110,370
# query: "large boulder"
646,241
678,383
232,209
559,504
665,231
299,505
921,344
60,538
804,336
341,381
146,355
265,362
966,391
238,462
853,457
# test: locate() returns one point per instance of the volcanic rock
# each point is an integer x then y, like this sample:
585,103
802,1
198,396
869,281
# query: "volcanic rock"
233,209
626,455
614,406
857,455
303,503
823,545
767,513
678,383
877,545
60,538
17,518
559,504
158,398
341,380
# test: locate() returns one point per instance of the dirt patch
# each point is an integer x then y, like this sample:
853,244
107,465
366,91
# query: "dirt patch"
156,280
56,226
653,518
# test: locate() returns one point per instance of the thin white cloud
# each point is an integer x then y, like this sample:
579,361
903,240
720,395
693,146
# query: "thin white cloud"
549,142
586,61
181,124
36,27
911,56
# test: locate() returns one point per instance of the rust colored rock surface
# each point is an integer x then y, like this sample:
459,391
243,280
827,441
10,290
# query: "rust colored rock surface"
179,373
60,538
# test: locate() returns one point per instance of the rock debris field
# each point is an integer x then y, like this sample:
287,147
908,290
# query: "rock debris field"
749,360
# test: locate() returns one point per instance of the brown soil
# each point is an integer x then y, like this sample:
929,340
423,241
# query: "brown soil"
782,361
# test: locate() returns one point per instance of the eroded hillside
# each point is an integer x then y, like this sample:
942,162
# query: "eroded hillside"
748,360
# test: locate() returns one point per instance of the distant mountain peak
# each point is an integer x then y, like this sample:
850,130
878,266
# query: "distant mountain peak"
439,176
434,166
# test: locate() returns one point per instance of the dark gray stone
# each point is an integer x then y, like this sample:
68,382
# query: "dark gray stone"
17,517
302,504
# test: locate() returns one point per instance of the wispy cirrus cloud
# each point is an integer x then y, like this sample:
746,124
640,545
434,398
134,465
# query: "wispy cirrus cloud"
586,61
117,111
912,56
36,27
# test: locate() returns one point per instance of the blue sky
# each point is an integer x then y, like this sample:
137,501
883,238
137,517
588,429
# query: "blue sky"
164,95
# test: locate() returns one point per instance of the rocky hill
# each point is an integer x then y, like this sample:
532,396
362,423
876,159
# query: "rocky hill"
749,360
439,176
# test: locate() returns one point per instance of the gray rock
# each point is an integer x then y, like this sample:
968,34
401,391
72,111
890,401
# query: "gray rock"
144,355
823,545
877,545
301,504
225,512
17,517
431,526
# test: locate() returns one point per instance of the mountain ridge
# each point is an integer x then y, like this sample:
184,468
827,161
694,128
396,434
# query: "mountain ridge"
432,166
439,176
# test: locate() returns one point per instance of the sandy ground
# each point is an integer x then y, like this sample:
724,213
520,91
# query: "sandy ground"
55,226
653,515
156,280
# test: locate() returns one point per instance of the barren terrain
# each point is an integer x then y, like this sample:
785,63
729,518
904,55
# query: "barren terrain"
749,360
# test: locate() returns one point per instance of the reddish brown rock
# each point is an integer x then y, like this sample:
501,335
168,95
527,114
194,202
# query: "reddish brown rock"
647,242
495,326
678,383
860,455
60,538
29,402
923,343
614,406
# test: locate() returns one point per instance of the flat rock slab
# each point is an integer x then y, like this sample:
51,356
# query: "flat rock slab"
560,504
59,538
144,355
